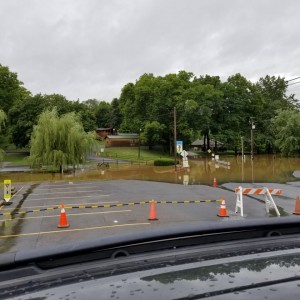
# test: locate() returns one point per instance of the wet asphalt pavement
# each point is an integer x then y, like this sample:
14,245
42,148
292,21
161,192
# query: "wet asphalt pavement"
99,208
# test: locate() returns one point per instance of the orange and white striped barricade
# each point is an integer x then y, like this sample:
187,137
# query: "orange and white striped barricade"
269,201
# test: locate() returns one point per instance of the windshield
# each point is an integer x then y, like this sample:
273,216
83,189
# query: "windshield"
119,117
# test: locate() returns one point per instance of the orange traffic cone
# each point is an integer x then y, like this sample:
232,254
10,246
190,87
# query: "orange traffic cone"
297,206
152,216
63,222
223,212
215,182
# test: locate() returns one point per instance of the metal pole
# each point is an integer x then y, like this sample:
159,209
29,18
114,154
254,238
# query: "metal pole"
242,140
251,141
139,143
243,160
252,128
252,155
175,137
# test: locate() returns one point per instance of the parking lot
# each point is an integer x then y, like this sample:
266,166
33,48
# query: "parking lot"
99,208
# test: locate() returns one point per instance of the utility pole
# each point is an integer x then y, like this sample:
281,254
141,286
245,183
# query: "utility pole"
252,156
175,137
242,140
252,128
243,158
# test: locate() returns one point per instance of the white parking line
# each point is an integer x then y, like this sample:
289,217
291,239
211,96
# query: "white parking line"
69,215
67,185
88,191
59,198
73,230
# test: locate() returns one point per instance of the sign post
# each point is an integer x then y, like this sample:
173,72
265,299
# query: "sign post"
7,190
185,161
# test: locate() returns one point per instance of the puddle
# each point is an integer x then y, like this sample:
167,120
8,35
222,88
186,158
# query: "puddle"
14,228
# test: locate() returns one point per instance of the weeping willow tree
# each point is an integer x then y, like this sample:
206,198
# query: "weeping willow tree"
59,141
2,122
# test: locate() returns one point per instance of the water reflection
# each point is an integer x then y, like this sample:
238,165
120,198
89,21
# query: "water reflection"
14,228
289,263
265,168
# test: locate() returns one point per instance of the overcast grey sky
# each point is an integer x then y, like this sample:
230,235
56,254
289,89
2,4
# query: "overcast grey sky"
86,49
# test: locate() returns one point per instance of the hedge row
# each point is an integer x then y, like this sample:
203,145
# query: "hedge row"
164,162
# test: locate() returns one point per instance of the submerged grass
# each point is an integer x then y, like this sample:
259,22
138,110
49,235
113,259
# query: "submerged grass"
130,154
15,159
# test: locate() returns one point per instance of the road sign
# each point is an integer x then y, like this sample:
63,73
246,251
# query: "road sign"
7,190
179,146
184,154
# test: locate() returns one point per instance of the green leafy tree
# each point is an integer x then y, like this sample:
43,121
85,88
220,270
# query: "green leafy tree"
273,91
287,131
2,119
204,108
2,122
117,117
86,113
104,115
23,115
11,89
126,104
241,102
91,104
59,141
59,102
153,133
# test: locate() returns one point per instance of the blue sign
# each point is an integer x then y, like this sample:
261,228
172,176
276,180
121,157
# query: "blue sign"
179,146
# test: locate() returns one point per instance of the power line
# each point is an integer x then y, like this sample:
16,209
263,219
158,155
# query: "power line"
294,83
292,79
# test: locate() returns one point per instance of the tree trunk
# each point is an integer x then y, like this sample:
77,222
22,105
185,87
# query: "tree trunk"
216,147
208,140
170,145
235,151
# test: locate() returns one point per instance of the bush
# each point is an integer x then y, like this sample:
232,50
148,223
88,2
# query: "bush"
164,162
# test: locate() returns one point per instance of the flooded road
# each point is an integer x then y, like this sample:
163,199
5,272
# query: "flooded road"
97,199
265,168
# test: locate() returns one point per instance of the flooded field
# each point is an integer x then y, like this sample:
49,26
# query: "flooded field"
265,168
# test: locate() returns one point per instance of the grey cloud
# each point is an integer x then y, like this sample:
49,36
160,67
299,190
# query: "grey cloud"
91,48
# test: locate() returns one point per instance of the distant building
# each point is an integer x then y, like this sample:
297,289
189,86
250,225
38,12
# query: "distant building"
104,132
199,145
122,140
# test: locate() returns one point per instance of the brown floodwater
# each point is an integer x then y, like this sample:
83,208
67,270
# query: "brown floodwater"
265,168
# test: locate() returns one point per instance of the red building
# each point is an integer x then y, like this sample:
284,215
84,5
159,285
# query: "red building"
122,140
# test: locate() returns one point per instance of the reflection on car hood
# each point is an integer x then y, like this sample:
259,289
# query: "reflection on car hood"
246,277
193,261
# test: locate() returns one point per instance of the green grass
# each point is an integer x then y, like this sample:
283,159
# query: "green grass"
16,159
130,154
133,154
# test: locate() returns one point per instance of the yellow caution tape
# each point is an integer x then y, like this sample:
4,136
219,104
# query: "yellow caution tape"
110,205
